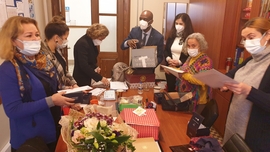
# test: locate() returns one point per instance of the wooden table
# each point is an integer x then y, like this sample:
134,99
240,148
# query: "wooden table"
173,125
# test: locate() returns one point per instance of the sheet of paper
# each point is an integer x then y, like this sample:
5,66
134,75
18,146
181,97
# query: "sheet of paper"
173,71
214,78
97,91
83,88
117,85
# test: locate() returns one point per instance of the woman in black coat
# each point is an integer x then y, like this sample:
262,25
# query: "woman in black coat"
86,53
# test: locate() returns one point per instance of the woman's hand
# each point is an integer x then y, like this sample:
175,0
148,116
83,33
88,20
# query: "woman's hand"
60,100
238,88
105,81
173,63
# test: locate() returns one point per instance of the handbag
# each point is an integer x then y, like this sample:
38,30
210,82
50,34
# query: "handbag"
176,101
36,144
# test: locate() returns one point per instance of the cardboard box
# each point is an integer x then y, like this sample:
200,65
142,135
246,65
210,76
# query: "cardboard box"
195,127
133,80
145,57
146,145
147,125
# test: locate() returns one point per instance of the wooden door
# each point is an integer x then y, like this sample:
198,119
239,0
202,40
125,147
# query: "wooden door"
106,60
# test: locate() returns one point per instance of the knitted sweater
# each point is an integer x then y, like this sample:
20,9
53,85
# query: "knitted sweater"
258,127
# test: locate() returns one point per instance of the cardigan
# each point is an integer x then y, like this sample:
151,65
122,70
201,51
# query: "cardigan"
26,120
258,128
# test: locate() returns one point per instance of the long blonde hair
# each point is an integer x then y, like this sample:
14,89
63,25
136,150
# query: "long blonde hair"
9,32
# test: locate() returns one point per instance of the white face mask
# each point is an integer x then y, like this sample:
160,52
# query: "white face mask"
143,24
179,28
193,52
30,48
254,46
63,45
97,42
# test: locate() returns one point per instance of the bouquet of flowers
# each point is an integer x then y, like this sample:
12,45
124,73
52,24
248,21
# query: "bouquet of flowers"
96,132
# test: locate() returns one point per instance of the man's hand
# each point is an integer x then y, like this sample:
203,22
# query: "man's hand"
132,43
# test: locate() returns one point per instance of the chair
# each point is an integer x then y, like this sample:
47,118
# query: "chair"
236,144
210,113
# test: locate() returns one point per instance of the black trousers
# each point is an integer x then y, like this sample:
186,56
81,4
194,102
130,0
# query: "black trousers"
171,82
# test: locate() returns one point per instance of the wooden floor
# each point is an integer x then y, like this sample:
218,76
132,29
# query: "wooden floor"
173,126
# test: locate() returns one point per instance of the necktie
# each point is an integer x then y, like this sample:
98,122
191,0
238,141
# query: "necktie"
144,39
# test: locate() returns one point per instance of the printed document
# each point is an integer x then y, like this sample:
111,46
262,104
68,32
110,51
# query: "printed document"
214,78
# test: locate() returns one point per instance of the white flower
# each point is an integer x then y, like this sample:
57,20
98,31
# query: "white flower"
91,123
77,136
103,123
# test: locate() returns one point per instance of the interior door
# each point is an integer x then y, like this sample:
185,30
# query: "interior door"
117,19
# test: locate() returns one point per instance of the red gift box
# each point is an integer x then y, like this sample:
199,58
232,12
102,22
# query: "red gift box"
146,125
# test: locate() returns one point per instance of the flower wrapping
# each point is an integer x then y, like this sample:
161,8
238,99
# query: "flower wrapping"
96,132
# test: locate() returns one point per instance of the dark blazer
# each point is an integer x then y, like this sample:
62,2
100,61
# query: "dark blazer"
155,39
168,52
85,61
258,132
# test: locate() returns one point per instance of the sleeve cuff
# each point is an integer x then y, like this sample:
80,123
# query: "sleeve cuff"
49,101
168,58
180,63
125,44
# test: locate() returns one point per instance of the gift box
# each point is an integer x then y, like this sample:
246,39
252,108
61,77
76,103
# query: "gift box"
127,105
146,125
145,57
133,80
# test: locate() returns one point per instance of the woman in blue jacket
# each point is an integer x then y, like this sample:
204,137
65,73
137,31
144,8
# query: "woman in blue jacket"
28,83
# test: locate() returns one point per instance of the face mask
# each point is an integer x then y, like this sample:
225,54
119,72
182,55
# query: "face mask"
193,52
30,48
143,24
97,42
179,28
254,46
63,45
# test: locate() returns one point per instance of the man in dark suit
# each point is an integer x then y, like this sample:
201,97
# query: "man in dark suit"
146,35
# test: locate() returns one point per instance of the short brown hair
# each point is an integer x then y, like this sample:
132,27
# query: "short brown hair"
97,30
11,29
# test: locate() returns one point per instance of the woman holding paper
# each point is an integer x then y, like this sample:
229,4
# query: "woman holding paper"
249,113
198,61
174,57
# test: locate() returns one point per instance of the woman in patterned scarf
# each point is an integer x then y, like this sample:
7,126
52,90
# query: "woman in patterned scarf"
198,61
28,83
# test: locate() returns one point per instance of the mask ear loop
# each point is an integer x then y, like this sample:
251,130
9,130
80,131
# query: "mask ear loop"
266,40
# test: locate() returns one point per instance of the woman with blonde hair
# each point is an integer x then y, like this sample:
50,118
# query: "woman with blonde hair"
28,83
86,53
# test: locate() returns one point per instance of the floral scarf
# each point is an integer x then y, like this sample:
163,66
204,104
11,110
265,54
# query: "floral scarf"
41,67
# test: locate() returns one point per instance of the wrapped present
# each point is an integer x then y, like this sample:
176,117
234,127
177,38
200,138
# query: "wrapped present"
133,80
146,125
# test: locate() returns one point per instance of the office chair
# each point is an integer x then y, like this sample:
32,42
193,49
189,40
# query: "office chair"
236,144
